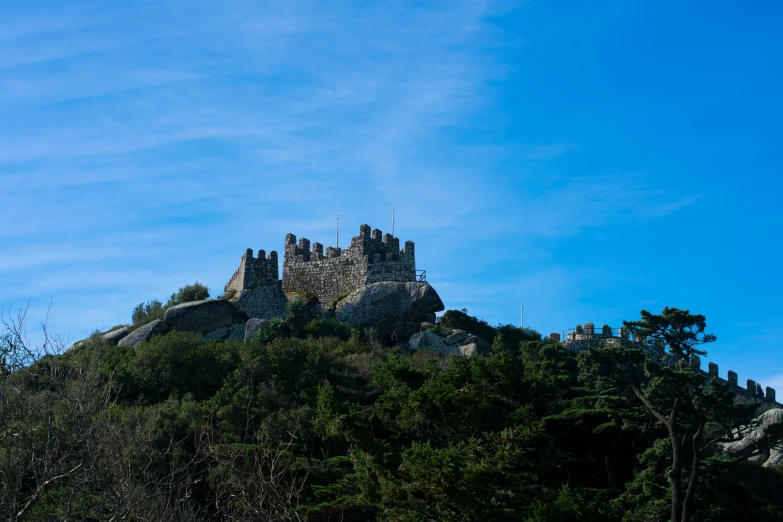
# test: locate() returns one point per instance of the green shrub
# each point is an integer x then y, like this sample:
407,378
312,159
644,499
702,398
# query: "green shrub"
188,293
276,329
296,315
146,313
461,320
181,362
319,328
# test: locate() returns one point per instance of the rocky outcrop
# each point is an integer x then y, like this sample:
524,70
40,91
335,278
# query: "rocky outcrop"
254,325
143,333
430,341
234,332
474,345
390,306
262,302
757,441
455,337
112,337
115,336
203,316
454,341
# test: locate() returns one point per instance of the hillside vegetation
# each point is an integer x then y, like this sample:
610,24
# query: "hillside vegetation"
335,426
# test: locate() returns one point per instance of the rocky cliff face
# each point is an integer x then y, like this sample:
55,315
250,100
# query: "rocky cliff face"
397,306
386,306
759,440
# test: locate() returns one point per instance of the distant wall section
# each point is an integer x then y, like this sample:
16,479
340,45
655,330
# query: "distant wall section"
583,337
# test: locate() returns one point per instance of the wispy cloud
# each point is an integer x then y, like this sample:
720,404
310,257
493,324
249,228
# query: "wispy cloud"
148,132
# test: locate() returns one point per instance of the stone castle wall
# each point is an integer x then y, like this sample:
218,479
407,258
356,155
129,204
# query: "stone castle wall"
372,257
253,272
582,338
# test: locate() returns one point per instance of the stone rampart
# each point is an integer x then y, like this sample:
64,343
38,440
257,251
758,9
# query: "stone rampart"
254,271
373,257
581,338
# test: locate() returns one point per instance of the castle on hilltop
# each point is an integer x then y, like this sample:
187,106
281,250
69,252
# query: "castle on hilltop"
373,257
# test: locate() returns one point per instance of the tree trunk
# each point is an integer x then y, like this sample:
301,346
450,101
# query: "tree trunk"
687,505
675,473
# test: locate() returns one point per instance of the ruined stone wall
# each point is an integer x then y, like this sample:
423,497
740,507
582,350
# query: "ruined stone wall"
253,272
372,257
582,338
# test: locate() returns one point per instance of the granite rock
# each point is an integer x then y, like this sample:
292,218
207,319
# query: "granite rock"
456,337
203,316
254,325
262,302
474,345
115,336
237,332
143,333
429,341
390,305
218,334
756,440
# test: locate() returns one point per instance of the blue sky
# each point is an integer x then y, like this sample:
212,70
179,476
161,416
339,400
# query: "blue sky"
583,159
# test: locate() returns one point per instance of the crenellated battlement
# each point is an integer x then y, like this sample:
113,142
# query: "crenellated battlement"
581,338
254,271
372,257
329,272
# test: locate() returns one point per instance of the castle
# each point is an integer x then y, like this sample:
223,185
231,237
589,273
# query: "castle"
373,257
581,338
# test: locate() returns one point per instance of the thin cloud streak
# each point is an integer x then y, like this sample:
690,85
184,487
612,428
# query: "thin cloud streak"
250,122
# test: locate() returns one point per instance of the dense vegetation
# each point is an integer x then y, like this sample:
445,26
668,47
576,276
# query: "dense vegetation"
335,426
147,312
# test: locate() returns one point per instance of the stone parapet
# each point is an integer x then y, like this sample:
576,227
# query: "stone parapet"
373,257
581,338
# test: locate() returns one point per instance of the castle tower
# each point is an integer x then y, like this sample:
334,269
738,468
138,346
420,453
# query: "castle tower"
372,257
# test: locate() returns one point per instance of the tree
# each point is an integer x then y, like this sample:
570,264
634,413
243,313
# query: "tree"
696,414
146,313
188,293
675,330
296,315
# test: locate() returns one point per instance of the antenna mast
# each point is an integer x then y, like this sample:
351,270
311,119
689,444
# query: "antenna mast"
337,232
392,222
521,316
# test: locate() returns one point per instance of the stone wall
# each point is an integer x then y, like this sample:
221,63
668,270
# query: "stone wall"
372,257
254,272
582,338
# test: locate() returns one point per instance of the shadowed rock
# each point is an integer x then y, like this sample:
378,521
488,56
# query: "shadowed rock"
254,325
203,316
263,302
429,341
144,333
756,441
391,305
116,336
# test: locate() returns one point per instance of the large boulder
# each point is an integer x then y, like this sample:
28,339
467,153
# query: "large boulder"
203,316
262,302
254,325
144,333
457,341
429,341
112,337
235,332
473,345
115,336
390,306
756,441
456,337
